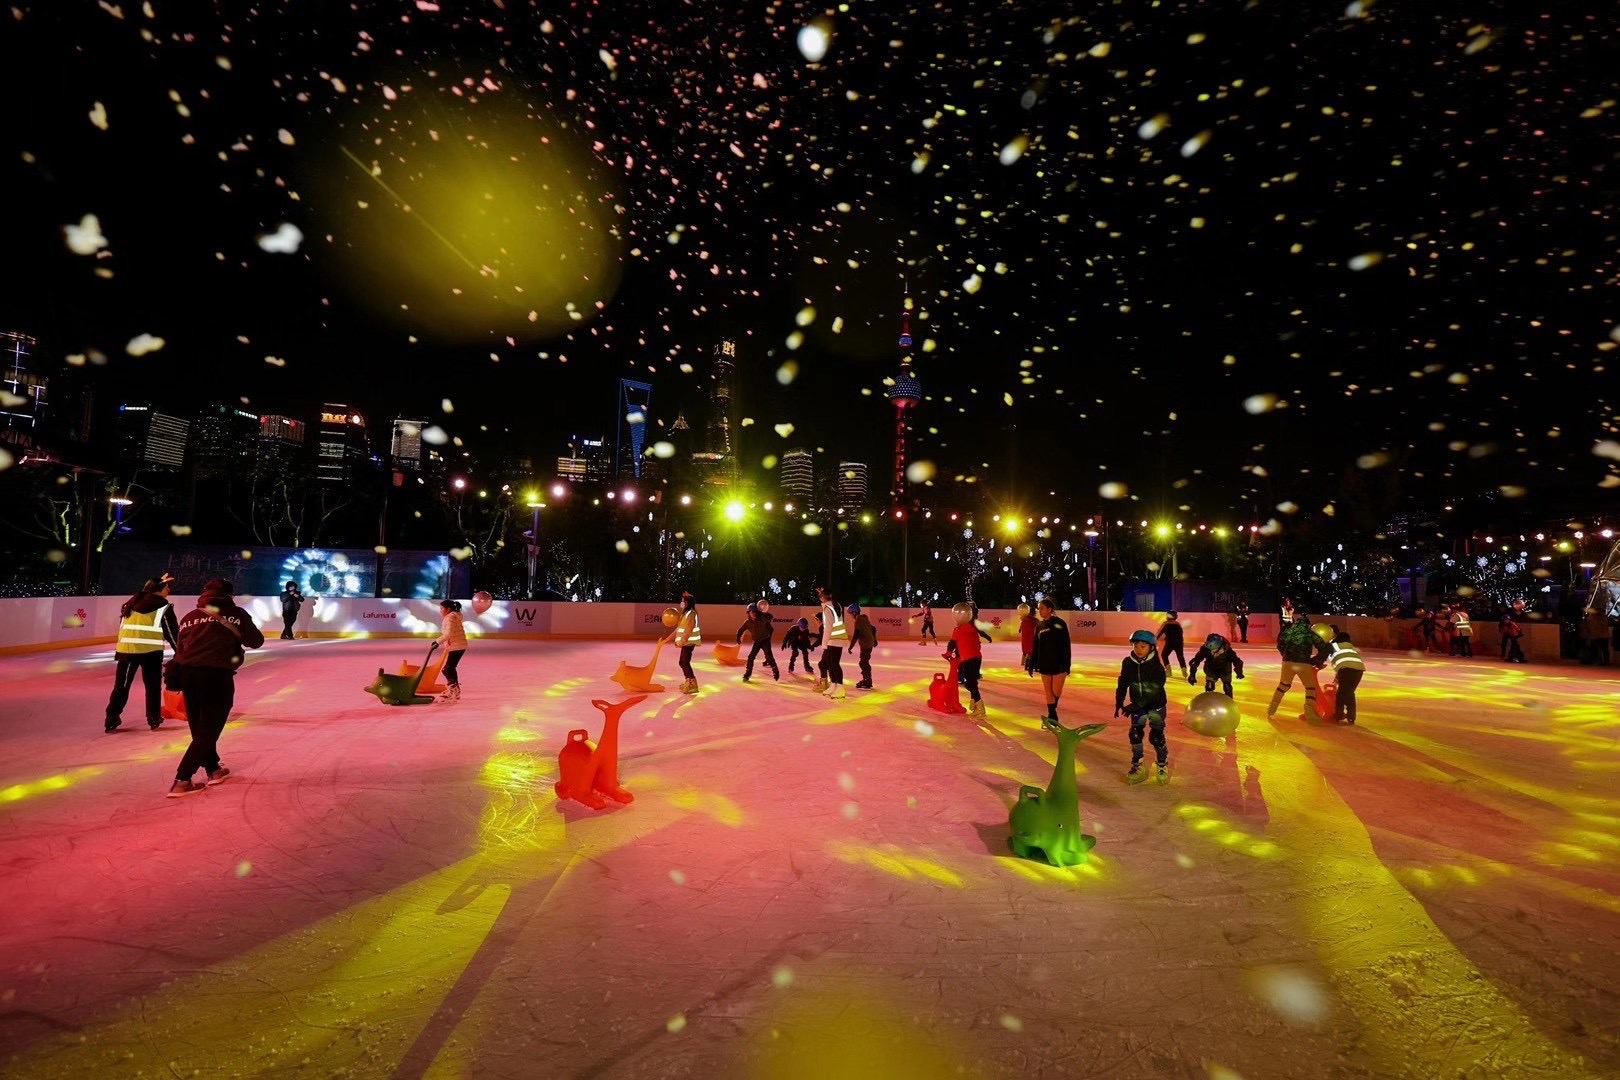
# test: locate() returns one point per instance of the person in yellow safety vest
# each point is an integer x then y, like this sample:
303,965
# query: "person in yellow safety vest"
1348,669
835,635
688,635
147,622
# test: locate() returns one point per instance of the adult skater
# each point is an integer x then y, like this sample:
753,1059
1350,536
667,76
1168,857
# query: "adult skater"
688,635
291,601
1348,670
759,631
147,621
1050,656
834,636
1242,613
453,640
1173,634
212,636
1302,654
1462,633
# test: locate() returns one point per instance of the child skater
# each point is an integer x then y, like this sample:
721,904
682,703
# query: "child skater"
1348,668
834,636
927,616
452,639
965,644
759,630
1171,633
1142,675
688,635
1026,638
796,641
865,639
1050,657
1302,653
1219,663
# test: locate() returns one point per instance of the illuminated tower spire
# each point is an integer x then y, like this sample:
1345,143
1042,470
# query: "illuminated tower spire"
905,394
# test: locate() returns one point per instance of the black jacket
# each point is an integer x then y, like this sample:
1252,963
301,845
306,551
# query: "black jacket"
1144,681
1171,633
1216,667
291,602
757,629
1051,656
213,634
796,638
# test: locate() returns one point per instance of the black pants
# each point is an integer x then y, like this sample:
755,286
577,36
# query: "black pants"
928,631
793,654
1464,644
150,667
1181,658
832,663
1597,652
968,671
210,693
1141,723
452,661
1514,652
1345,703
1243,629
1224,680
866,666
686,661
770,659
287,620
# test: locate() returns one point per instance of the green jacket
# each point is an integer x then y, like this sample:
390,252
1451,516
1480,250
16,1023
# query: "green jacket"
1299,644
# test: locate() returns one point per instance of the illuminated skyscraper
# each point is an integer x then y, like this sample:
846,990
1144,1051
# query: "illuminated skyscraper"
718,463
798,475
224,441
340,445
23,407
851,483
405,447
150,439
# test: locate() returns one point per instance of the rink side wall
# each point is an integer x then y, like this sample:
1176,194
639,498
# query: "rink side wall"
63,622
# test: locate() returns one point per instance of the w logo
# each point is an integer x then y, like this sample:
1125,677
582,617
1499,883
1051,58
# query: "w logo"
524,614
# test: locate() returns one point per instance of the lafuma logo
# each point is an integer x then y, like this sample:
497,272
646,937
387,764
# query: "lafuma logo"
524,614
380,615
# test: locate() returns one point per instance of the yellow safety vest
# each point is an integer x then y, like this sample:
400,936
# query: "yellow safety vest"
142,631
836,629
694,633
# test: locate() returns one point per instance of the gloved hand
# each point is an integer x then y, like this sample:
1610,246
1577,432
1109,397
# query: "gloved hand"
1240,675
1192,680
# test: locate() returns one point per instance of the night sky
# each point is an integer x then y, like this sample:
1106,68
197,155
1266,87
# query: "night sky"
1271,255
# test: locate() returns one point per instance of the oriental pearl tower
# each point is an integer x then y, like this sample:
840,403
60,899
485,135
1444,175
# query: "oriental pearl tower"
905,394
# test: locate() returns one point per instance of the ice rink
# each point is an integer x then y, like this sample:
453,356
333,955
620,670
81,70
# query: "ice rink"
807,888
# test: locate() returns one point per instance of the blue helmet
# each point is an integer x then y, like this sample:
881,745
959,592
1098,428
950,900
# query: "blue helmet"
1144,636
854,609
804,624
753,609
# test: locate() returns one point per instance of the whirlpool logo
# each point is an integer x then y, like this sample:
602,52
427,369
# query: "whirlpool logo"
524,614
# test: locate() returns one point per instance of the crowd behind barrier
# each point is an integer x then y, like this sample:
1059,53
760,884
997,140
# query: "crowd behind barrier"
59,622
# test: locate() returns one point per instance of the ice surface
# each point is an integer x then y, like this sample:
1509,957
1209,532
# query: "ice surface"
805,888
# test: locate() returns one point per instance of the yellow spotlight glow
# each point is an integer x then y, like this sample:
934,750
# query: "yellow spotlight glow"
1161,531
1009,524
735,510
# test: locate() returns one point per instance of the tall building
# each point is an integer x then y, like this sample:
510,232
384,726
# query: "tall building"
797,472
587,460
281,444
340,445
851,485
630,426
23,406
718,463
150,439
224,441
405,448
905,395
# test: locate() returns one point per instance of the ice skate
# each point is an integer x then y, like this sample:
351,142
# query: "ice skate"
976,709
453,694
820,686
837,693
1136,774
1164,774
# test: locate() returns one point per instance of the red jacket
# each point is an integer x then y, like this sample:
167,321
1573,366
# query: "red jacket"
1026,633
967,642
